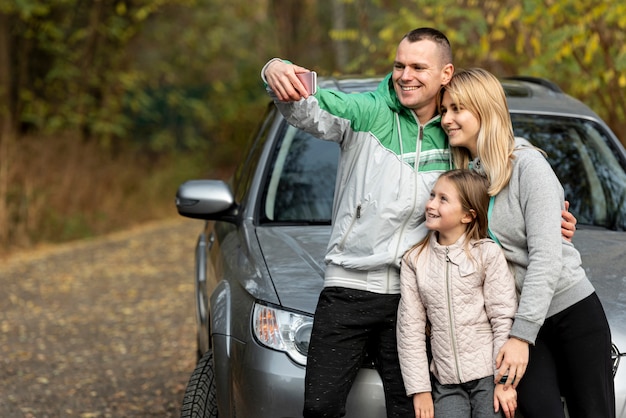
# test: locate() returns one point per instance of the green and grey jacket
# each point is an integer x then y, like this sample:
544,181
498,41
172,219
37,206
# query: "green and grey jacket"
388,165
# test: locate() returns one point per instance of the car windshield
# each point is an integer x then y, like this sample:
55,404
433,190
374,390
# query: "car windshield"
300,183
581,155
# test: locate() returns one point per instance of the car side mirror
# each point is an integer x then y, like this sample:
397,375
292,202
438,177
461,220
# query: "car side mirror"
206,199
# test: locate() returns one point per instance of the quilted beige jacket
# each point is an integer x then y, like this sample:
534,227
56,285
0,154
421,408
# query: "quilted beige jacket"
469,303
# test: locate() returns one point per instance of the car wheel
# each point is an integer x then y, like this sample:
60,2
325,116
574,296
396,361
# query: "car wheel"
200,400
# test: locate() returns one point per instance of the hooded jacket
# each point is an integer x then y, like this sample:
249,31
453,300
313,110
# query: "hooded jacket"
388,165
470,303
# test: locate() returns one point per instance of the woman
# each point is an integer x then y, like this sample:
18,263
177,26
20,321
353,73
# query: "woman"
559,320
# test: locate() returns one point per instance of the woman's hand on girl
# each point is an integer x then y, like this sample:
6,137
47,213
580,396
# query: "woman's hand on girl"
512,360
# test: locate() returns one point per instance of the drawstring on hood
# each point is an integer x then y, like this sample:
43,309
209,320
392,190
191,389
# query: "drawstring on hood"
401,149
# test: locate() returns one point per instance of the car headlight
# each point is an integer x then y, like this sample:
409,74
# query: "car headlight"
281,330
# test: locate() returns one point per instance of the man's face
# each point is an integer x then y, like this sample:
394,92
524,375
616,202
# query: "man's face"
418,74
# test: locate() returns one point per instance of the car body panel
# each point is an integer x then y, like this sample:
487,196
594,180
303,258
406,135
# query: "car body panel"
603,254
266,384
604,259
254,381
294,256
620,391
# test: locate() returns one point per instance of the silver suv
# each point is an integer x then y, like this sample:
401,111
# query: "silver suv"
259,258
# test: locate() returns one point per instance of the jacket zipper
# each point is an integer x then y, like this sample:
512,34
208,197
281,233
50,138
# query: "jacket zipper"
356,216
418,148
451,317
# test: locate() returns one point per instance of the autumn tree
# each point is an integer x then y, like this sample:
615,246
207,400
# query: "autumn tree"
148,79
580,45
7,123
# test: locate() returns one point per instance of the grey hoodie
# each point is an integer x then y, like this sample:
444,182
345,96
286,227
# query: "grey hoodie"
526,219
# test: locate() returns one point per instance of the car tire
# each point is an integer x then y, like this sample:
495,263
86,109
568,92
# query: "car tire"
200,400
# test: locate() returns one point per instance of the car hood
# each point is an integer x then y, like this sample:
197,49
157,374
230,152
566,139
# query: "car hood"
604,259
294,256
295,260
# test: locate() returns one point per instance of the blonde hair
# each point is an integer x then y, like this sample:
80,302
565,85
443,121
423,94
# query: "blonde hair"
481,93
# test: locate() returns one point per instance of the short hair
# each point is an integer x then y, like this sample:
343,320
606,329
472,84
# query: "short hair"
435,36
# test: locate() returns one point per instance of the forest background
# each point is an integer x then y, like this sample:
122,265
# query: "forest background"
106,106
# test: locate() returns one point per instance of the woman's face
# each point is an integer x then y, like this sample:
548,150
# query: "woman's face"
460,125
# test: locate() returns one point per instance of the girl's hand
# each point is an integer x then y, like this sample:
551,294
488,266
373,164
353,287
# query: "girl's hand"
505,399
512,360
423,404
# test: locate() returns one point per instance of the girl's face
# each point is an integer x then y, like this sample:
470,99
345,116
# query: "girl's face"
460,124
445,214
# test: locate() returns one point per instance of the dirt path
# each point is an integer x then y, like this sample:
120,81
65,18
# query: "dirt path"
99,328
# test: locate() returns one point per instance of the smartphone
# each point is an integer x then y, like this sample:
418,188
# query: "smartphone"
309,80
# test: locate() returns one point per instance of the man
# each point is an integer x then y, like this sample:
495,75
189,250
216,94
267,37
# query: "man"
392,151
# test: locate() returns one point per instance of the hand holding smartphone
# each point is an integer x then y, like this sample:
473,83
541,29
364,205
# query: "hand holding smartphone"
309,79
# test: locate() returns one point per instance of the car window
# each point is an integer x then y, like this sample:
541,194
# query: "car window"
301,181
245,171
583,158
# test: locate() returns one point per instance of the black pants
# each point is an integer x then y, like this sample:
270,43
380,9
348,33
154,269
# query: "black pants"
348,321
572,357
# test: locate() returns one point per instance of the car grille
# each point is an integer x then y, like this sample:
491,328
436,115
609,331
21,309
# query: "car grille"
615,357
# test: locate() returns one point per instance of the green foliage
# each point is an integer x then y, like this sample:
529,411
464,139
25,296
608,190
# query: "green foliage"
172,73
170,81
202,81
162,80
580,45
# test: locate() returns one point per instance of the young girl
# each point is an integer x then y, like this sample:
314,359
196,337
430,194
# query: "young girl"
559,314
458,280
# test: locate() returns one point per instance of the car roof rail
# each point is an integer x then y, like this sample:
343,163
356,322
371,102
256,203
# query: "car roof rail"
537,80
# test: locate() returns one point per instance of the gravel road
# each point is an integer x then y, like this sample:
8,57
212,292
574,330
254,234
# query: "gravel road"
99,328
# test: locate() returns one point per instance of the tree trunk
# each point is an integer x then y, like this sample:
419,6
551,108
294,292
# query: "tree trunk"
340,46
288,15
7,125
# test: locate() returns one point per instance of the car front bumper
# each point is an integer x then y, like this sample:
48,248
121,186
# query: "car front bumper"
265,383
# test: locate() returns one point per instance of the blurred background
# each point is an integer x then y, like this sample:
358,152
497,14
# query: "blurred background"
107,105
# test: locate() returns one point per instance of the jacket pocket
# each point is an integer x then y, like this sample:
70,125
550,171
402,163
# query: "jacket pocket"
356,215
